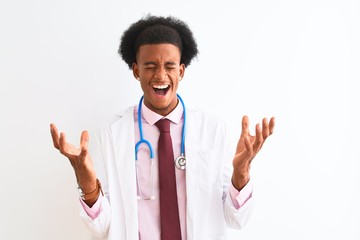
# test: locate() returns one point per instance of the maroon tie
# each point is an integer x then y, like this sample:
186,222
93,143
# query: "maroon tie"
169,212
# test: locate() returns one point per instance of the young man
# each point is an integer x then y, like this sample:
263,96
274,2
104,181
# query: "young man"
178,184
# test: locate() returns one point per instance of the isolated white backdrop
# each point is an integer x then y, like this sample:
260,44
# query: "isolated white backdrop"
295,60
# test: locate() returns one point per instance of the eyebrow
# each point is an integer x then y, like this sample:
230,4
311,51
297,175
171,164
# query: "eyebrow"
153,63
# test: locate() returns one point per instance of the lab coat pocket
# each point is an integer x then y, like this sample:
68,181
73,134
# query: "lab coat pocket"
208,169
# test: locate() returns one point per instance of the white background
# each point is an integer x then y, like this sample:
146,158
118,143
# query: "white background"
295,60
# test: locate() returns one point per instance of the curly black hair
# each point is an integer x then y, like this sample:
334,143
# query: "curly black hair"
155,30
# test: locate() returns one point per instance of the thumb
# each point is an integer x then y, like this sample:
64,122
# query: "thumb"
83,154
84,140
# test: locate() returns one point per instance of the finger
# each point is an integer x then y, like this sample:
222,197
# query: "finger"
248,146
265,128
244,133
258,138
84,139
54,135
62,145
245,126
271,125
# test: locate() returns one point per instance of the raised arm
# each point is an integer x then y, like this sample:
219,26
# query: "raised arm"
247,148
81,162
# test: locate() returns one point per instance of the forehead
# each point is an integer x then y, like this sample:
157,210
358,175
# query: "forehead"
158,53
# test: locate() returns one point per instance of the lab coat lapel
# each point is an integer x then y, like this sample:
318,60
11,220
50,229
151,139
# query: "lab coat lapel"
123,138
192,167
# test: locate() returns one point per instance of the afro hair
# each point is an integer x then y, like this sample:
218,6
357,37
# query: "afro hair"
156,30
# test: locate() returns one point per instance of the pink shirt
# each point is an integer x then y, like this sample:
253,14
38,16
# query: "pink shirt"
149,210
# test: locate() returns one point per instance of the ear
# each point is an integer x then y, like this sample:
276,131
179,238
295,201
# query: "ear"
135,70
182,71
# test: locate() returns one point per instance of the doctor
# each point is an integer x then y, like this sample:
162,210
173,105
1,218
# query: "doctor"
121,192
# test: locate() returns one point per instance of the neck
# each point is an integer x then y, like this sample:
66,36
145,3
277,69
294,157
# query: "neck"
162,111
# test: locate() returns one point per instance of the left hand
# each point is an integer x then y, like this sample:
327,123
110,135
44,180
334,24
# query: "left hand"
247,148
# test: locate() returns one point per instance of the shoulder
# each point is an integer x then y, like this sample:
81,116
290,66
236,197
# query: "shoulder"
197,114
122,116
205,125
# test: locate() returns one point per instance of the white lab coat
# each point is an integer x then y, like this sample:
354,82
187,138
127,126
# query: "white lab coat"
209,208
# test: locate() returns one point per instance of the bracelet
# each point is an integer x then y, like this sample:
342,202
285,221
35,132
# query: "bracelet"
94,194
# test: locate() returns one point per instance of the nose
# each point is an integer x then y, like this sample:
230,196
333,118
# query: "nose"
160,73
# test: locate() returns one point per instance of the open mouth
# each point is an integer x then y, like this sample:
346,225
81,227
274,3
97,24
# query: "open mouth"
161,90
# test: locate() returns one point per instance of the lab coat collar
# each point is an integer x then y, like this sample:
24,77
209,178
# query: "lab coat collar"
152,117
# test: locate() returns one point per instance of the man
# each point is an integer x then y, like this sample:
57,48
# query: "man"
125,196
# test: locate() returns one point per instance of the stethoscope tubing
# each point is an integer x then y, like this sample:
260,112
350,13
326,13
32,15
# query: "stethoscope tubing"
143,140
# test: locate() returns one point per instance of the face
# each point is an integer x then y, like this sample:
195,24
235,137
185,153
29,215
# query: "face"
159,71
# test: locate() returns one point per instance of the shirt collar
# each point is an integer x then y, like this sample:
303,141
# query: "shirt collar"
152,117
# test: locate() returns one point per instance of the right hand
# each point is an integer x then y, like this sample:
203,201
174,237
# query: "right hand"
79,158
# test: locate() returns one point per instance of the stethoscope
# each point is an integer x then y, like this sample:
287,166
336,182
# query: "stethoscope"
180,162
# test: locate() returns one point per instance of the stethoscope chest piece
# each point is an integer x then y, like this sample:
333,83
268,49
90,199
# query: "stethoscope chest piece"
180,162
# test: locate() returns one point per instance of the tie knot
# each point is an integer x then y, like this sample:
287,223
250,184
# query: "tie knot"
163,125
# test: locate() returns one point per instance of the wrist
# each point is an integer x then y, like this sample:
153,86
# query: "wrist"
239,180
91,195
88,186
